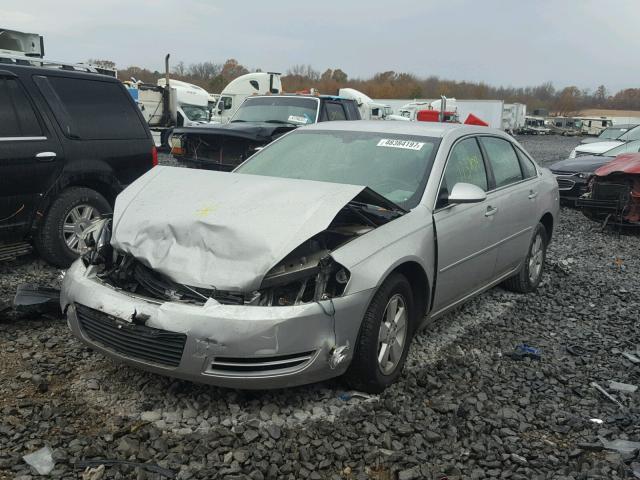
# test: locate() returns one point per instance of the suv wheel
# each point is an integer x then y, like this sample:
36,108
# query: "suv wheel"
384,338
530,275
59,235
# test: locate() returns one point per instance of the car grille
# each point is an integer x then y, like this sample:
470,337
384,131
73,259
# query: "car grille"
251,366
136,341
565,183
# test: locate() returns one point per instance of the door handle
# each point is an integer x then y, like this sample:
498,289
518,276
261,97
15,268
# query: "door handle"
532,194
490,211
46,156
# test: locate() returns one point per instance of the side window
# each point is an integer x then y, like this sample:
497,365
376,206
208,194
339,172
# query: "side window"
352,108
17,117
528,167
503,161
334,111
227,102
464,165
92,109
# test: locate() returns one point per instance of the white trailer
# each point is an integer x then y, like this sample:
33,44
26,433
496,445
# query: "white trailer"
257,83
513,117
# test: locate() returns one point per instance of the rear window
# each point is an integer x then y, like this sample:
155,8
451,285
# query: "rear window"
92,109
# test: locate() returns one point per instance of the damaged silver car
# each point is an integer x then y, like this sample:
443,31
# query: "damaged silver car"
320,256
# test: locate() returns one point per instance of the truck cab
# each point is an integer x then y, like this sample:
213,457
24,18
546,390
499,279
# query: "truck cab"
257,83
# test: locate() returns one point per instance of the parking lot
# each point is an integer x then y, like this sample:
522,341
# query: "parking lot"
463,407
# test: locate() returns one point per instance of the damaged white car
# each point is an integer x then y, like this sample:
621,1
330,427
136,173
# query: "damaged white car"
321,255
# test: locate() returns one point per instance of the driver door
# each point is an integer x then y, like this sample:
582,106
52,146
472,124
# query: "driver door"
466,258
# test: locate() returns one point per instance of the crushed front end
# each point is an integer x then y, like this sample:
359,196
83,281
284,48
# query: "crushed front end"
613,197
296,328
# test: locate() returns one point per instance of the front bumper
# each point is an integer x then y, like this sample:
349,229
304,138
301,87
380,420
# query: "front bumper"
247,347
571,187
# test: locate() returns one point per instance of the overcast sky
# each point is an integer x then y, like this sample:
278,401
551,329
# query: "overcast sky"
501,42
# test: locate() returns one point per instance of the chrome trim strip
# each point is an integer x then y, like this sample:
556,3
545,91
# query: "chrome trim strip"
21,139
480,252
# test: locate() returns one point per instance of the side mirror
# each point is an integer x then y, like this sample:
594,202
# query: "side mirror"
466,193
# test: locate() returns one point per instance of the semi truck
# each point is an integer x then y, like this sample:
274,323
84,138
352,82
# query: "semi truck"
237,91
369,109
170,104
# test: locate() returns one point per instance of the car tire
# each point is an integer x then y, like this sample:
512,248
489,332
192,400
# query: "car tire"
366,373
530,275
51,237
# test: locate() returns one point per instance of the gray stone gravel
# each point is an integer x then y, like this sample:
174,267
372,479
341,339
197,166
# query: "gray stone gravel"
462,409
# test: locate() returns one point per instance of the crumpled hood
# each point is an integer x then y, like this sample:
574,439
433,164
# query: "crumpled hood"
257,131
585,163
221,230
626,163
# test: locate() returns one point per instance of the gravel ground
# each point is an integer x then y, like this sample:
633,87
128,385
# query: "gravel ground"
462,409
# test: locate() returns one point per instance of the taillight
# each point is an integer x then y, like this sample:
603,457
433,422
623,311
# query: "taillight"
176,146
154,156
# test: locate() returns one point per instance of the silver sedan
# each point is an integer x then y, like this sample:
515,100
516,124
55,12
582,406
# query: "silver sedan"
322,255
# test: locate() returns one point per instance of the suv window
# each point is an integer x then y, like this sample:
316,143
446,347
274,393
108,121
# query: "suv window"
17,117
503,159
96,110
334,111
465,165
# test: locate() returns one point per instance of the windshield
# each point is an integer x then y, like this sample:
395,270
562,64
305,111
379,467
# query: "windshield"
633,134
195,113
630,147
286,110
612,133
395,166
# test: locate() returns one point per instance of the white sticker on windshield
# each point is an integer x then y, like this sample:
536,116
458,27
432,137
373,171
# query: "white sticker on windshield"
406,144
298,119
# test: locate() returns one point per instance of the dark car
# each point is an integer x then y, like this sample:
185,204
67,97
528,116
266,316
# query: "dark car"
573,174
257,122
611,133
70,141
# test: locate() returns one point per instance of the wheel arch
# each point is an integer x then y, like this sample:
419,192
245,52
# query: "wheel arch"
547,222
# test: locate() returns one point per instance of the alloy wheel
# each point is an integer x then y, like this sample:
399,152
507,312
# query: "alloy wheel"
75,223
393,334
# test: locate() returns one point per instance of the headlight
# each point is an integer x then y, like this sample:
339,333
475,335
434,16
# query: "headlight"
584,175
295,284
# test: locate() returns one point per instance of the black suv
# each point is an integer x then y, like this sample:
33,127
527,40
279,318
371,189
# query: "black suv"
257,122
70,141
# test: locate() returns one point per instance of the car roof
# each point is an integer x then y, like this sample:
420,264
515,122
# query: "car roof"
424,129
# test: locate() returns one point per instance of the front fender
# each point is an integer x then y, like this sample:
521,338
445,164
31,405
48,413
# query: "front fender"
372,257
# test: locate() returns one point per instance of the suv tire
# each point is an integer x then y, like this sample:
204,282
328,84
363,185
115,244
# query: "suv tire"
530,275
50,238
366,373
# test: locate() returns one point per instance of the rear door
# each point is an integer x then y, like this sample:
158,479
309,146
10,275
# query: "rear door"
30,154
465,231
515,195
106,133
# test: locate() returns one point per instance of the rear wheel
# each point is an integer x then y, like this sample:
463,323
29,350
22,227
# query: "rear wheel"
58,239
530,275
384,338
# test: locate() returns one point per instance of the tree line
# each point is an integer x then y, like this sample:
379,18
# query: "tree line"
213,77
